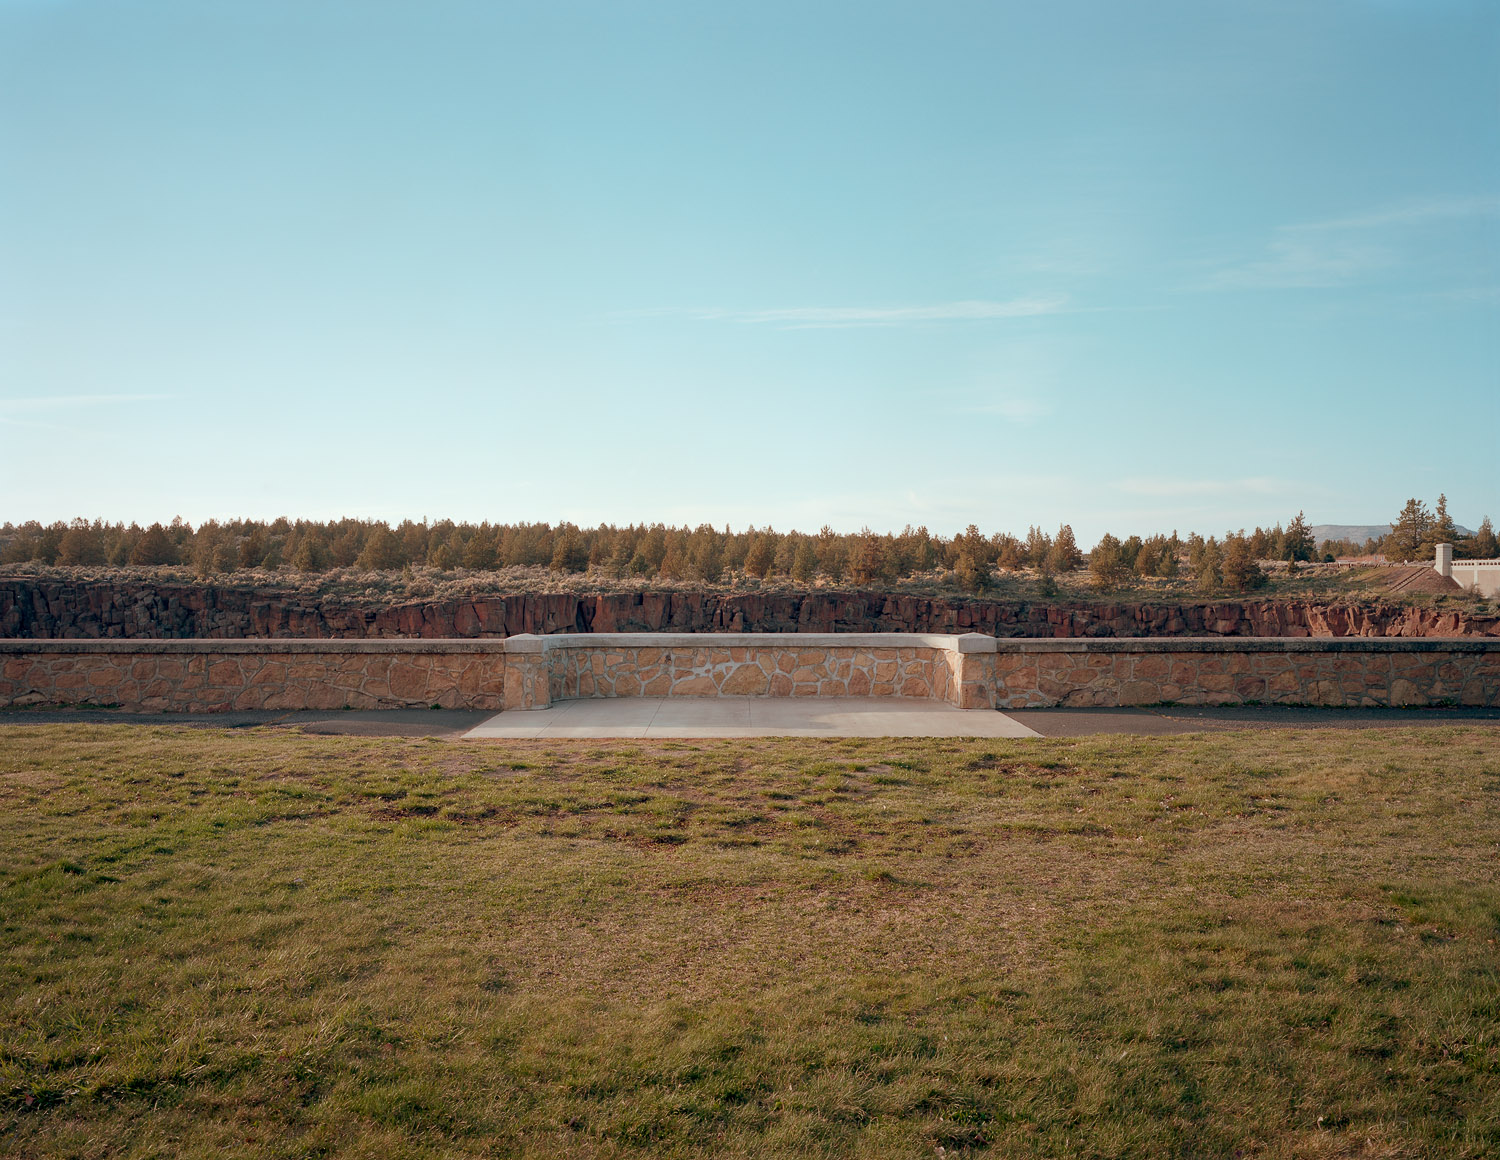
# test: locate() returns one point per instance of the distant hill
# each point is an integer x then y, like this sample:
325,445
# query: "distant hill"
1359,533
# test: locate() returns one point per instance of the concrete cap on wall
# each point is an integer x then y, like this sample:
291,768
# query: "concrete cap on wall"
531,643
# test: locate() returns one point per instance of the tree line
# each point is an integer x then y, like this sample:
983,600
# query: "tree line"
710,555
1418,530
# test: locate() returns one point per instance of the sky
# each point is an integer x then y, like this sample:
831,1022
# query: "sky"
1136,267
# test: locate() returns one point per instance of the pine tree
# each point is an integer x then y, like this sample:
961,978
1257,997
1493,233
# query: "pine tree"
154,547
762,554
206,551
867,561
705,555
82,543
252,547
479,552
1405,540
383,551
1483,545
309,555
805,562
1442,529
569,552
1297,541
446,556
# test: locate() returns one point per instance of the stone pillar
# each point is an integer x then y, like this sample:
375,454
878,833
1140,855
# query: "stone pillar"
1444,561
526,672
975,671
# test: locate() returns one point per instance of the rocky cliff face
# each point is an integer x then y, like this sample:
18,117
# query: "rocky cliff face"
34,608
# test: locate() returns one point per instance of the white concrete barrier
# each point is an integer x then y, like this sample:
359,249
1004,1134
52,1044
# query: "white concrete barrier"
1479,576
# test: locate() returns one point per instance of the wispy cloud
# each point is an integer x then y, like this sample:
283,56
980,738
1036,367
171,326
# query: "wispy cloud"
795,317
1338,251
1304,262
44,403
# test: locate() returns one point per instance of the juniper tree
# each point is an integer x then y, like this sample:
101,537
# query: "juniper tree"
1064,555
1107,563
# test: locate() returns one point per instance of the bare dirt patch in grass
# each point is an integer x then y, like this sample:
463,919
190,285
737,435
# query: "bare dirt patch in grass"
261,944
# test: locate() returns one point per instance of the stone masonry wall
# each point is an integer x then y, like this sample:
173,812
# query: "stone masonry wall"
217,676
1349,674
971,671
742,671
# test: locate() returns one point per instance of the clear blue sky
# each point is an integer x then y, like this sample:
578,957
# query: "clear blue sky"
1136,266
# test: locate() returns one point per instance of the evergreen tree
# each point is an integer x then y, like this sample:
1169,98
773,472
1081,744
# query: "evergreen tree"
805,561
705,555
253,547
1297,541
155,547
479,552
569,552
1207,562
761,557
82,543
1405,539
1107,563
1442,529
833,557
346,548
972,562
1240,570
206,550
383,551
1038,545
1064,555
1483,546
309,555
867,560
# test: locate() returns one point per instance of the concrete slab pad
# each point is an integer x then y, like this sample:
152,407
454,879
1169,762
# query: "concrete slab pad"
679,712
749,717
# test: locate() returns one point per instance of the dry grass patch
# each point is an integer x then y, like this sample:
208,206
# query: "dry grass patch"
258,944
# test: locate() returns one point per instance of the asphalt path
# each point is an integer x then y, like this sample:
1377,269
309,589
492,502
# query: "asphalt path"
448,723
1197,719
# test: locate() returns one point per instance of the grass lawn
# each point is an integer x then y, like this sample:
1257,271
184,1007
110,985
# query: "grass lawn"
1266,944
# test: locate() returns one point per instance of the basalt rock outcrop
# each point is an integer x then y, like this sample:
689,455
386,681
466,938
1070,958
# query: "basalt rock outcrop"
50,608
